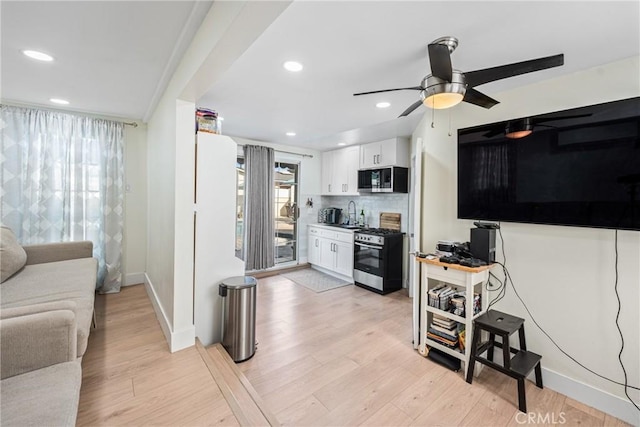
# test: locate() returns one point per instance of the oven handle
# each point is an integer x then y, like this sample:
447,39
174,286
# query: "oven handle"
368,246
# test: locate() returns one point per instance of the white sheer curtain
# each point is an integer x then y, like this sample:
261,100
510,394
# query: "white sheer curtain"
62,180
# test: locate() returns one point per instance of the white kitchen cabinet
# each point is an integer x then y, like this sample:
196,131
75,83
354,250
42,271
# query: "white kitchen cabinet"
343,258
340,172
313,254
390,152
331,250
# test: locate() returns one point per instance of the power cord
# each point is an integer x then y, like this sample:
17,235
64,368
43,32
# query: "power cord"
500,289
625,384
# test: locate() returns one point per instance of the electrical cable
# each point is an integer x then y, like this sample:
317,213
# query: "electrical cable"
500,290
508,278
626,381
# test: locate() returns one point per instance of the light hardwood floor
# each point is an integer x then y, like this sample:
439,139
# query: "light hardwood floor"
342,357
129,377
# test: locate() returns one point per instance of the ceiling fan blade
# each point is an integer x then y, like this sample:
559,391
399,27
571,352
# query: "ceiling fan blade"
479,77
389,90
440,59
473,96
410,109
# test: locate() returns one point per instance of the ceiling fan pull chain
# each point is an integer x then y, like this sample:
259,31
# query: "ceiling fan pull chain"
433,114
449,122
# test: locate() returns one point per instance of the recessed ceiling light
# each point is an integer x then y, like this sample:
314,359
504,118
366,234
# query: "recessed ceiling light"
34,54
383,105
342,143
291,134
292,66
59,101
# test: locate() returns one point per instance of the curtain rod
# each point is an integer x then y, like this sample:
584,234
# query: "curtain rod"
134,124
282,151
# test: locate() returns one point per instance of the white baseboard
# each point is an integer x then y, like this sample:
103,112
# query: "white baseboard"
177,340
599,399
131,279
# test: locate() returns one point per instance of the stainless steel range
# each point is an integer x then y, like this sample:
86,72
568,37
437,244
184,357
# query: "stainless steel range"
378,255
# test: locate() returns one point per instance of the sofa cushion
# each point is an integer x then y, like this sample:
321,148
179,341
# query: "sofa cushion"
12,255
73,280
44,397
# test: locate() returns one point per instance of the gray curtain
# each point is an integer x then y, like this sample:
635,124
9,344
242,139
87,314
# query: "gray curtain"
259,211
62,180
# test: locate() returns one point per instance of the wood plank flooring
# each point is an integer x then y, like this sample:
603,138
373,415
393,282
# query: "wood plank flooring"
129,377
342,357
345,357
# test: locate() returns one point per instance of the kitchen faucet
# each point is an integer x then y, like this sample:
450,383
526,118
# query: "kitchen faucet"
351,221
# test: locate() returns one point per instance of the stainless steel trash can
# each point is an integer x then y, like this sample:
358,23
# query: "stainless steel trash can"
239,316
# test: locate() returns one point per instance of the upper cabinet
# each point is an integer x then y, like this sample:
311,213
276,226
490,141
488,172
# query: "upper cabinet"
390,152
340,172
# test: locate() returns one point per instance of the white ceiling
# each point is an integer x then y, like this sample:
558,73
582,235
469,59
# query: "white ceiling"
115,57
111,57
349,47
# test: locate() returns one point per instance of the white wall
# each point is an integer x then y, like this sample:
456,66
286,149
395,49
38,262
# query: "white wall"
565,275
135,214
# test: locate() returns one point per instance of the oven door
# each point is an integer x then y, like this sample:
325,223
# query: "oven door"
369,258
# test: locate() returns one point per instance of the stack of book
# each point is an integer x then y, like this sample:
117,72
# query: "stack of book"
439,297
443,331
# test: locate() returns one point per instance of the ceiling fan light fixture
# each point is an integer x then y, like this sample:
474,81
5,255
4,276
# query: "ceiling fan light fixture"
440,94
518,129
518,134
441,101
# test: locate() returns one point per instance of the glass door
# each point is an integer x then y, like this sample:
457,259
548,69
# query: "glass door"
240,207
286,212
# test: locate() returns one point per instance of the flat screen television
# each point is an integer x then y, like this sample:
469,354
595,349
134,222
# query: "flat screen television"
578,167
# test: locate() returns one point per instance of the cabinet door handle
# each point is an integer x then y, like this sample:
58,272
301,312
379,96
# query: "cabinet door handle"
316,243
329,188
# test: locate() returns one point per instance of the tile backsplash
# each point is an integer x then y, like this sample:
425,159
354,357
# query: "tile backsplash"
373,205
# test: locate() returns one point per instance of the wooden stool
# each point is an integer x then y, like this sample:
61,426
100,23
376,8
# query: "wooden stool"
518,367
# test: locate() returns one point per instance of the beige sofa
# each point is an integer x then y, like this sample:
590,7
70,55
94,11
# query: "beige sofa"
46,311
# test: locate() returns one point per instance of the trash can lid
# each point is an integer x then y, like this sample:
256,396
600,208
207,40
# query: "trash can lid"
239,282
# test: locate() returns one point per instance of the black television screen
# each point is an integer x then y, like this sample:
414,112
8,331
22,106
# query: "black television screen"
577,167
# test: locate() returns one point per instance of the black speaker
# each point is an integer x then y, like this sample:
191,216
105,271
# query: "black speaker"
483,244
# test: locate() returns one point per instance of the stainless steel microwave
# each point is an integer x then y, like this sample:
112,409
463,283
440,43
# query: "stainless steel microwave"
384,180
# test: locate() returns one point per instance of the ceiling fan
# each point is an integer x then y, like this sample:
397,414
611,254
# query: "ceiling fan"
446,87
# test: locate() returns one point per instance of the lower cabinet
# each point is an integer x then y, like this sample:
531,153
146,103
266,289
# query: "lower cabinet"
331,249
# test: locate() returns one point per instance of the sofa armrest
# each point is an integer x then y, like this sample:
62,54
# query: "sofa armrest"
52,252
35,341
24,310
